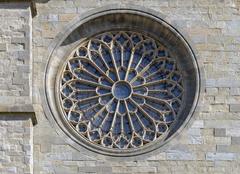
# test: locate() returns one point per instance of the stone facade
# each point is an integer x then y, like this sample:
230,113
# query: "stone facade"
209,143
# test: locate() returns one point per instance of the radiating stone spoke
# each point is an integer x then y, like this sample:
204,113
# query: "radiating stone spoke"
157,90
114,117
142,110
129,65
157,82
114,62
100,52
89,82
104,107
154,73
158,100
157,110
154,60
91,74
98,69
103,121
128,115
94,97
91,107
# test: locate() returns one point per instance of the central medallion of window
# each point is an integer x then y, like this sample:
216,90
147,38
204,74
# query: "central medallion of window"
121,90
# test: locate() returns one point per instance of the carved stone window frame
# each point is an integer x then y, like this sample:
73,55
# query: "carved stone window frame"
104,19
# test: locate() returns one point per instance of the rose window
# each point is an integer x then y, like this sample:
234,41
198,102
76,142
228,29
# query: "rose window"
121,90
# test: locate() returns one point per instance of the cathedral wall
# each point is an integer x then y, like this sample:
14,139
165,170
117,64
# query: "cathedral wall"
210,142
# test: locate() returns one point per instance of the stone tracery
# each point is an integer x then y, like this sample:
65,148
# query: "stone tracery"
121,89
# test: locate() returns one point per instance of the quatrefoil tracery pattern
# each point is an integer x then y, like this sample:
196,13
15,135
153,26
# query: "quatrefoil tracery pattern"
121,90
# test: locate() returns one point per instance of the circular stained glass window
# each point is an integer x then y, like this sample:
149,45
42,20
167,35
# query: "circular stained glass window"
121,90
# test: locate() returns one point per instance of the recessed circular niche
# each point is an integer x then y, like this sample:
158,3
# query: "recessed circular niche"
125,83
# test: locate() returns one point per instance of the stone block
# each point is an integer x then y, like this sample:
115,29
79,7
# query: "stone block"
19,81
220,156
19,40
66,17
220,99
135,169
159,156
219,132
210,83
233,132
11,169
235,108
219,108
63,169
23,68
198,124
180,152
52,17
212,91
235,91
194,131
232,28
221,123
223,140
235,140
97,169
223,82
195,139
49,34
228,148
194,136
88,4
3,47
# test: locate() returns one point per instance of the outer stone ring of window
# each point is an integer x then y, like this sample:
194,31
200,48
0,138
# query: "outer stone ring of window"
141,78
